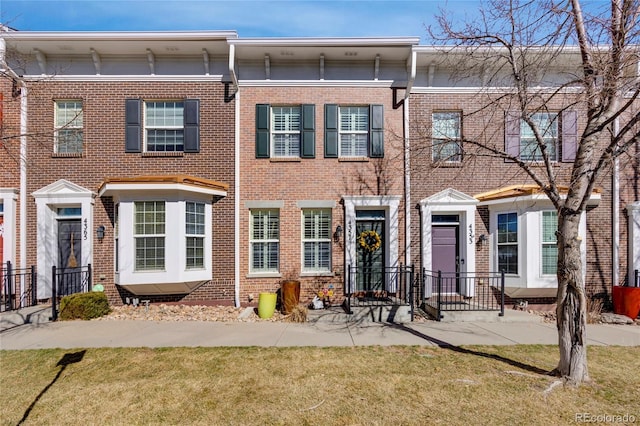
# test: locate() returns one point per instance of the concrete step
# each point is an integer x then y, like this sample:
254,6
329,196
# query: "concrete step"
510,315
361,314
32,315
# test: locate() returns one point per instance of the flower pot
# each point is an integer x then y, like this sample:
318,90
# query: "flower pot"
626,301
266,305
290,295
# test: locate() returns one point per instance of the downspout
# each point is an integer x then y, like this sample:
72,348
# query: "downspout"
236,201
615,211
23,160
407,159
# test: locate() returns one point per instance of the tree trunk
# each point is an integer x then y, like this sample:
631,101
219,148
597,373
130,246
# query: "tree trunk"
572,303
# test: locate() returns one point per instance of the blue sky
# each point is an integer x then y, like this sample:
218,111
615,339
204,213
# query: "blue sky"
289,18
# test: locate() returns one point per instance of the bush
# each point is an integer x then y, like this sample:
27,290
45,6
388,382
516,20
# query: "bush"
84,306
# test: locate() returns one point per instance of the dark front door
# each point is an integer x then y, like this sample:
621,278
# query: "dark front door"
69,255
444,256
370,244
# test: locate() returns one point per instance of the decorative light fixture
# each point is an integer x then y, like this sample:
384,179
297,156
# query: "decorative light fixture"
482,240
338,234
100,232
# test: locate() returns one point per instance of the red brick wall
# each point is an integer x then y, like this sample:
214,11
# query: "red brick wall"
104,156
479,174
310,179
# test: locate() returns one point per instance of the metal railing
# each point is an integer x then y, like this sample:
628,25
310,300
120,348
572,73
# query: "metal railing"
637,278
19,287
66,281
379,287
448,292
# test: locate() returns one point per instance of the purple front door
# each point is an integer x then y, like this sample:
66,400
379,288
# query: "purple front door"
444,256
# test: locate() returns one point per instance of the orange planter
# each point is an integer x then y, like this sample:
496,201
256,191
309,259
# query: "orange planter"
626,301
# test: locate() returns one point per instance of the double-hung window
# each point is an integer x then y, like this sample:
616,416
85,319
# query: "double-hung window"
549,242
354,131
508,243
164,126
68,127
149,234
316,240
446,134
547,126
194,221
285,131
264,239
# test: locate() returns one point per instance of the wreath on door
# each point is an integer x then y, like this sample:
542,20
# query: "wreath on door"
369,240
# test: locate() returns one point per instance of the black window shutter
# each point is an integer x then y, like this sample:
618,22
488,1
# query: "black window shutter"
262,130
331,131
308,137
192,125
569,136
512,133
133,125
376,131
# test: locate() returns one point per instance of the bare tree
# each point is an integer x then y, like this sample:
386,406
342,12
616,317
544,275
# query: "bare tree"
516,48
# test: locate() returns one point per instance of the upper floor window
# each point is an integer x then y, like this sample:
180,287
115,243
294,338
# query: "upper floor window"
68,127
558,133
164,126
508,243
264,239
285,131
549,242
316,240
354,131
547,125
446,134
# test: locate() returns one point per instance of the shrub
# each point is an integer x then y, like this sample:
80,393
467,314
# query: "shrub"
84,306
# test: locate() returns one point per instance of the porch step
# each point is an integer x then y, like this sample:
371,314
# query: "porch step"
361,314
510,315
32,315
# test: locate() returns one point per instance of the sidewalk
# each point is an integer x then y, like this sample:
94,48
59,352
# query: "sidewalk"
113,333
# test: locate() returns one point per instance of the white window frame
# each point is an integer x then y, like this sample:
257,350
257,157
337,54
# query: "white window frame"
68,124
549,134
195,224
290,131
547,243
268,214
442,140
166,126
348,136
316,238
144,236
508,243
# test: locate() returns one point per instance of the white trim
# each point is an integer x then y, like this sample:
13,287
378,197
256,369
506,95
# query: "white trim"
61,193
133,78
483,89
317,83
117,188
390,204
326,41
236,201
9,200
120,35
633,243
450,201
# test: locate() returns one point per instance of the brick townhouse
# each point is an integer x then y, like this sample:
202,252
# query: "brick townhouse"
204,167
130,161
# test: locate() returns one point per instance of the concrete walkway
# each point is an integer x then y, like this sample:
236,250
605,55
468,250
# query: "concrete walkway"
39,333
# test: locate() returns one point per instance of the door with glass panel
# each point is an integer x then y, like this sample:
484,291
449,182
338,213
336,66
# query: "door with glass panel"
370,253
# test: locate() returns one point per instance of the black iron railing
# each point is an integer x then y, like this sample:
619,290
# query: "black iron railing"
637,278
66,281
19,287
463,292
379,287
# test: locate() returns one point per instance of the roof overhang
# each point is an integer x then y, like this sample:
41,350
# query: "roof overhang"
114,186
526,193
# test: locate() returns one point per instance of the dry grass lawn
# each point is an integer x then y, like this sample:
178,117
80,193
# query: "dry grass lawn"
319,386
